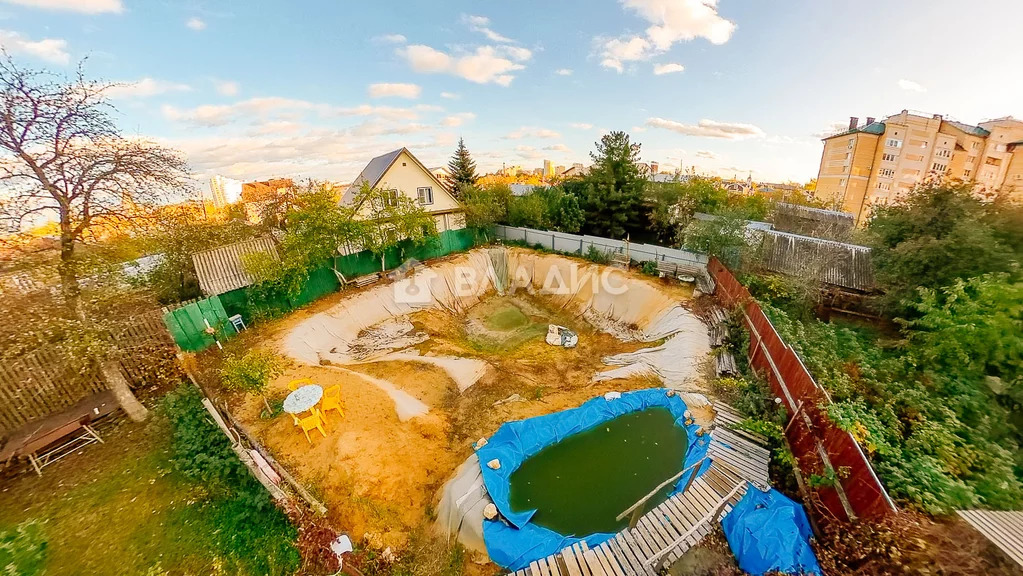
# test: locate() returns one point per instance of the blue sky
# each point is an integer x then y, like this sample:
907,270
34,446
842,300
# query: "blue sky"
315,89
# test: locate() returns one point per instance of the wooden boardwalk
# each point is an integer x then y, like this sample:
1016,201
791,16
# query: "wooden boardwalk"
670,529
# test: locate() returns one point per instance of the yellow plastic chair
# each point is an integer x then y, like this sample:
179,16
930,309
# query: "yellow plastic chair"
313,422
298,383
332,400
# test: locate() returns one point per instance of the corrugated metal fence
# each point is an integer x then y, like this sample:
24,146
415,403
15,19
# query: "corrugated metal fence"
563,242
814,439
41,382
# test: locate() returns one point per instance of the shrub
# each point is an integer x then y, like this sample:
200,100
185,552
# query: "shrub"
252,372
596,255
252,531
23,549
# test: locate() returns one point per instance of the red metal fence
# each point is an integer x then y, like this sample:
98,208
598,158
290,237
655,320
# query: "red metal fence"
815,441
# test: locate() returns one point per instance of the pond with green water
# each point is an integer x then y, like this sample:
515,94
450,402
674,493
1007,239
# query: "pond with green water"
579,485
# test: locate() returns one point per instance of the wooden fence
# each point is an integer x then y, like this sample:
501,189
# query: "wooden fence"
43,381
815,441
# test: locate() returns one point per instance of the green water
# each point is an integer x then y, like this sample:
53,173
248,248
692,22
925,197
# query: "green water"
580,484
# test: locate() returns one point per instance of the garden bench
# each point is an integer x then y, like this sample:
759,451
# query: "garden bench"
49,439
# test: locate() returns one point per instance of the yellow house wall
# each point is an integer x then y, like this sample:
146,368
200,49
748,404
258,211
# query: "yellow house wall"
406,176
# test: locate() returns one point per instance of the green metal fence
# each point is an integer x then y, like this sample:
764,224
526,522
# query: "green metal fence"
187,326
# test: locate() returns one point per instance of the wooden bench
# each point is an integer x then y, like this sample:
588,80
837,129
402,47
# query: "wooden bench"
46,441
358,282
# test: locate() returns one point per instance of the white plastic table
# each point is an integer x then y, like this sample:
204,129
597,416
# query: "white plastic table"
303,399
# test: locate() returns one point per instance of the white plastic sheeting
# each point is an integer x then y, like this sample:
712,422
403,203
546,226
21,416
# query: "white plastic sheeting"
462,500
627,307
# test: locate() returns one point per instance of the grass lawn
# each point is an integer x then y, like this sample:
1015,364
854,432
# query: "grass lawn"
120,508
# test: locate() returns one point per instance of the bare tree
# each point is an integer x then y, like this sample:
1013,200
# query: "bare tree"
63,159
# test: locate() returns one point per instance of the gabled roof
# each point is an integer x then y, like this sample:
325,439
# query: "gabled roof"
969,128
372,173
221,269
377,167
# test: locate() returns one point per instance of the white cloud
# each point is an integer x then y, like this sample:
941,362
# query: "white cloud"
455,120
532,132
709,129
670,68
487,64
481,24
390,39
638,129
277,108
52,50
706,154
425,59
227,88
832,129
671,21
449,95
581,125
563,72
384,90
84,6
144,88
196,24
557,148
910,86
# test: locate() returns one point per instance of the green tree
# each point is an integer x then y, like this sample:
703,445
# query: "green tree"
391,219
723,236
938,233
614,187
175,240
674,203
485,207
528,211
462,167
252,372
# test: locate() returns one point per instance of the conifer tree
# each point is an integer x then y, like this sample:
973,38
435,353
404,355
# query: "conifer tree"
463,168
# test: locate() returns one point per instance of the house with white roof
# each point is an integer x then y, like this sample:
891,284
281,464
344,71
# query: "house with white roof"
400,173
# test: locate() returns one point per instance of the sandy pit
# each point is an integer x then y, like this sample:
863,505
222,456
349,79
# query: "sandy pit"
422,381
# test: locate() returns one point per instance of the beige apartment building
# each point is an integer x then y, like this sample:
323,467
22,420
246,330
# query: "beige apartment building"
876,162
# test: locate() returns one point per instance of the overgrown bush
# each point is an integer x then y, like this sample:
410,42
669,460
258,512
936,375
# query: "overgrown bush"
252,532
252,372
939,433
23,549
596,255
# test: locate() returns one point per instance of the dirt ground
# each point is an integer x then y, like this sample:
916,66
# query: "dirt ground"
380,477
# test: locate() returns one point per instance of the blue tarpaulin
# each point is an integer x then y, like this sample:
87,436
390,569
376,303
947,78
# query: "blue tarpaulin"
513,545
769,532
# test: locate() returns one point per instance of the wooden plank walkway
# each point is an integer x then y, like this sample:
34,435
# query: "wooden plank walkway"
1003,529
670,529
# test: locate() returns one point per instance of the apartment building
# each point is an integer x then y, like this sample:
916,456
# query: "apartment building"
876,162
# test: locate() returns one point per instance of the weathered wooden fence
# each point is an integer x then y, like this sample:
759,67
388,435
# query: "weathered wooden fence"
38,383
815,441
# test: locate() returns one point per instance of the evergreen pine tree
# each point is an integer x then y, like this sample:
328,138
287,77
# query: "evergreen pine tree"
462,167
613,193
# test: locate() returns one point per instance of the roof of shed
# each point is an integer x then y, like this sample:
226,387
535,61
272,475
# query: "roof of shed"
831,262
1003,529
221,269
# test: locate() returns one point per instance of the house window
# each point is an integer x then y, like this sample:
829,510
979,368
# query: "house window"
888,157
939,167
975,145
967,172
425,195
884,186
886,172
893,143
943,153
841,182
390,197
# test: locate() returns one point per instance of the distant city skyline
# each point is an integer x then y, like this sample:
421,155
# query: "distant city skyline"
732,88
